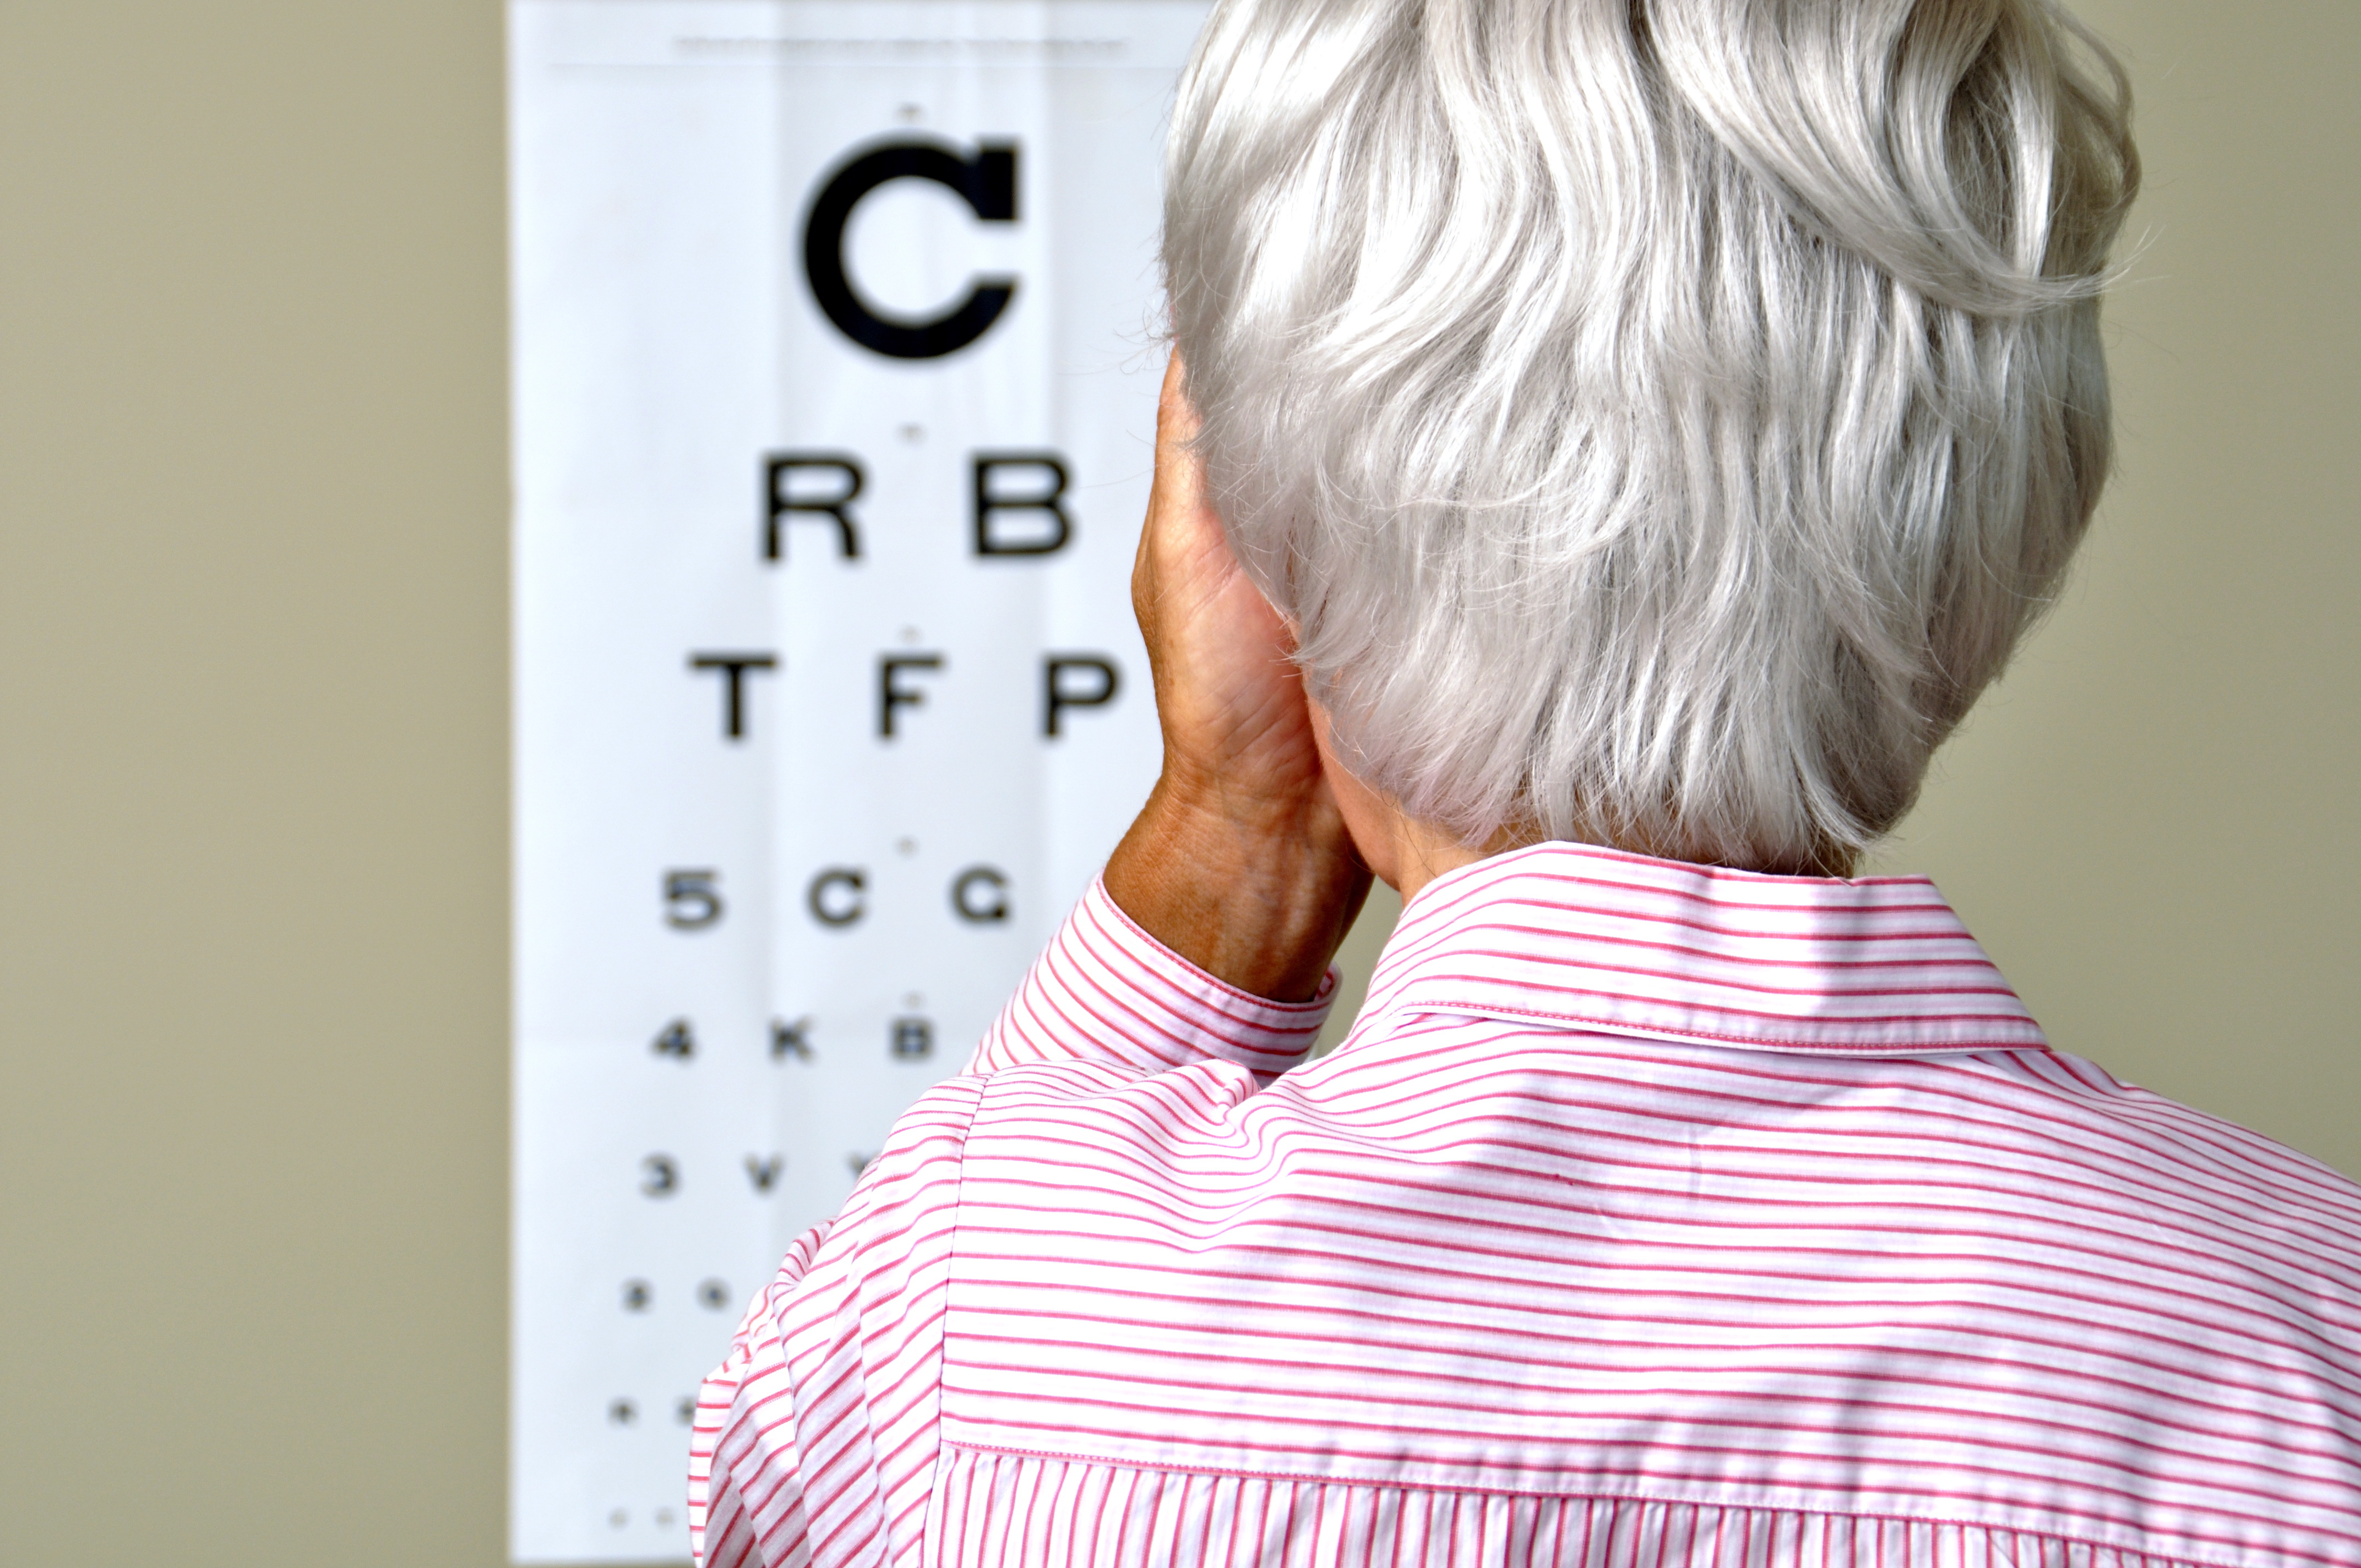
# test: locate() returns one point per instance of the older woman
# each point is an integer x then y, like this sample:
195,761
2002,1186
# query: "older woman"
1619,439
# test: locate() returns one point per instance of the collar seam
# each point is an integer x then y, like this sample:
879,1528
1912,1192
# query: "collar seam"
1624,1029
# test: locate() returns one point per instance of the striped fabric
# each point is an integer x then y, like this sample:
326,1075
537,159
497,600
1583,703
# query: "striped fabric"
1650,1215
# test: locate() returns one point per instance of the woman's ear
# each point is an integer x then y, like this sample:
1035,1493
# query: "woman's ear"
1372,821
1402,851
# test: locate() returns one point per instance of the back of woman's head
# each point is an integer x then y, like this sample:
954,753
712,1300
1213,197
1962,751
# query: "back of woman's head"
1660,418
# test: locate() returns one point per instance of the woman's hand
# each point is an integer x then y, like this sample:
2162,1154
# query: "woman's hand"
1240,861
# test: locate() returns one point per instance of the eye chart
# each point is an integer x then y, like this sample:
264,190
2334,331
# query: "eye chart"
835,381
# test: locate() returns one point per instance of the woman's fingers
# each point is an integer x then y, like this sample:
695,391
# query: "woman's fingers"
1228,695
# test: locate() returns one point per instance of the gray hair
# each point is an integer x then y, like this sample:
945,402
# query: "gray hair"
1659,418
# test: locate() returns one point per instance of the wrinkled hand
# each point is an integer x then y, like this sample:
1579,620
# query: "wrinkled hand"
1240,861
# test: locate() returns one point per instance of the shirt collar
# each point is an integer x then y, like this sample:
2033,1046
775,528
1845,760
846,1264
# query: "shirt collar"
1571,935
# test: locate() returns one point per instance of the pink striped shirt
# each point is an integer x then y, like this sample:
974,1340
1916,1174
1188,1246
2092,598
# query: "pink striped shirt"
1652,1214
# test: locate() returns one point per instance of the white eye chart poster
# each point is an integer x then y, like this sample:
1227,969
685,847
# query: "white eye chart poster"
835,372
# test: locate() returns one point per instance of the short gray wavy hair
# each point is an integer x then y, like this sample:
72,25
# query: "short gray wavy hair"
1660,418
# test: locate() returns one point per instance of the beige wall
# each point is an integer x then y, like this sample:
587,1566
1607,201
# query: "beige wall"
252,750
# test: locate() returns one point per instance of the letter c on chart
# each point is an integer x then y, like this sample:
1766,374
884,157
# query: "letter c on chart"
986,182
836,895
980,895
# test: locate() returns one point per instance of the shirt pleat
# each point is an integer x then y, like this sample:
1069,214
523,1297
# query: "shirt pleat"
1021,1511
